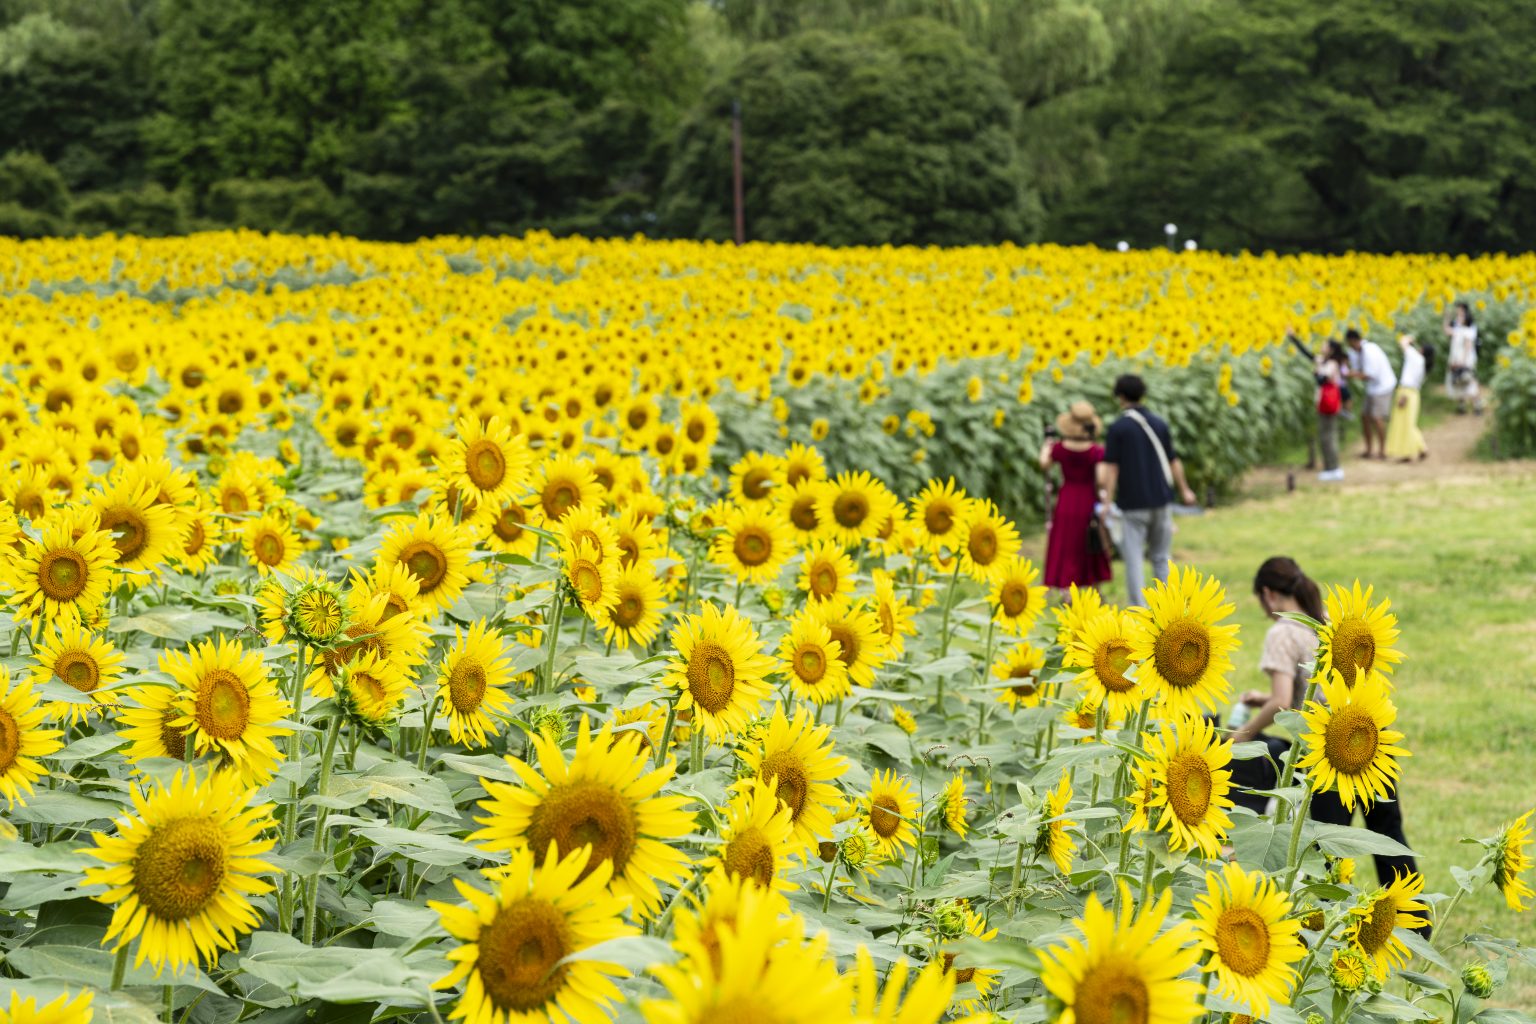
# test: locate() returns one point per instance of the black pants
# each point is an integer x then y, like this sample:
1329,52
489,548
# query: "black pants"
1384,817
1258,773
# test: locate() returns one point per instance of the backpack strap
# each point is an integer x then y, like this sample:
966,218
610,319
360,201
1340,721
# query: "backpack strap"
1157,444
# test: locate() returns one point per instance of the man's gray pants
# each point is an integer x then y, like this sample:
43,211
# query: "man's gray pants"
1148,535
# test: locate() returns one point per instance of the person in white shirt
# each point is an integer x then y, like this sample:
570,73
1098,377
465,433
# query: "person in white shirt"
1461,365
1404,440
1369,364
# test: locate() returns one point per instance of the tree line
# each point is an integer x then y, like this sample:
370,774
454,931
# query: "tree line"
1261,124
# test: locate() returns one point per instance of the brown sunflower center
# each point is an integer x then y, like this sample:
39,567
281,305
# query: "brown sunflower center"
850,509
427,563
519,957
750,855
1189,787
753,546
1111,992
755,484
982,544
847,640
174,739
10,740
885,815
1014,598
587,580
509,525
1182,652
78,669
234,501
1377,927
711,676
1242,939
585,813
1109,664
62,574
1353,647
810,663
939,518
629,611
558,498
803,513
485,465
197,536
130,531
179,867
1350,740
466,686
786,770
269,548
823,577
223,705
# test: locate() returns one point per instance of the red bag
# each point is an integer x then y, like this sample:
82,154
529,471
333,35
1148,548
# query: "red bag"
1328,399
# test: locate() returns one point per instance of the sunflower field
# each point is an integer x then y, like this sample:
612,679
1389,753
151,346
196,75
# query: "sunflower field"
524,630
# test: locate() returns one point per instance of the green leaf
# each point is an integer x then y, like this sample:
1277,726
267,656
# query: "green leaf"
1421,947
181,624
92,965
402,920
1345,841
338,974
634,953
63,807
424,847
90,747
17,857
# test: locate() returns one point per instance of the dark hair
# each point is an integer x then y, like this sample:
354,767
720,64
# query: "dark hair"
1284,576
1352,335
1335,351
1467,310
1130,387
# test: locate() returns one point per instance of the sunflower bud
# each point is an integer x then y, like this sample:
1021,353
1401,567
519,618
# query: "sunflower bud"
949,919
1476,977
826,851
226,587
855,851
1313,922
316,613
1350,969
550,722
773,597
1315,1018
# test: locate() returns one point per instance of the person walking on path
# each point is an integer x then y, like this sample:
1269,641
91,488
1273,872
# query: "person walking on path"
1369,364
1139,472
1461,363
1332,362
1071,556
1405,442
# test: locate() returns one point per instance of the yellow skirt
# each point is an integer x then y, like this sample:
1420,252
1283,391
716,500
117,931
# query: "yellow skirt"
1404,440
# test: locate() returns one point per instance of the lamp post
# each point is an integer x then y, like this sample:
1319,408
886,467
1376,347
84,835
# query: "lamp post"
1170,229
738,203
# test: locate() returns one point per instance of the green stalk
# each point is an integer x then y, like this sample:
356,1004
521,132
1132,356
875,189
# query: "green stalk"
1098,737
428,713
696,749
826,894
552,637
949,604
119,966
666,733
169,1003
1292,856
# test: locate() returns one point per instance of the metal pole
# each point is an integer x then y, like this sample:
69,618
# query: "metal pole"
736,193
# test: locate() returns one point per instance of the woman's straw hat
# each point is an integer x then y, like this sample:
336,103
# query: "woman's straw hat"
1079,423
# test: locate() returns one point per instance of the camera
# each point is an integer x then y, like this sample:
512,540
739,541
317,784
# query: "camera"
1051,433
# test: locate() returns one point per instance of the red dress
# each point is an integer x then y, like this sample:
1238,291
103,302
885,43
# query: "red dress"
1067,558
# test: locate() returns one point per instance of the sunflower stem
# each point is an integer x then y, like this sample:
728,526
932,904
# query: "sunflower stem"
696,750
1018,876
427,714
1307,964
168,1000
1293,855
1098,737
321,813
1146,877
119,966
1125,856
666,733
552,628
1283,809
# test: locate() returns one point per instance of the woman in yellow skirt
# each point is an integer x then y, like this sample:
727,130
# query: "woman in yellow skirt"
1405,442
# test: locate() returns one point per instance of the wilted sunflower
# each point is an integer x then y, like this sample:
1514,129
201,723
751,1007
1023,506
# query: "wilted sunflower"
1052,839
1374,924
371,690
435,551
826,572
605,797
1125,970
63,574
64,1009
755,477
939,514
79,658
925,1000
270,544
950,807
520,944
888,812
487,461
757,836
1244,922
1102,648
1181,651
1016,600
1192,783
227,704
1511,860
22,738
857,632
593,578
719,669
1356,637
1348,745
1019,670
852,506
990,539
813,662
471,685
182,868
796,755
754,544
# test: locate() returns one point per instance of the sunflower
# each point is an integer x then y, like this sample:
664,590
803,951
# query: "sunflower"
757,837
1244,923
813,662
637,610
144,531
486,461
1511,860
88,662
64,1009
1016,601
989,540
888,813
923,1001
520,943
1102,648
228,704
593,578
435,551
719,669
1075,611
604,798
1374,924
1052,838
852,506
894,613
398,585
1192,783
826,571
64,574
22,738
754,544
315,610
471,686
202,533
939,514
1124,970
755,477
797,506
1348,744
964,922
270,544
592,525
564,482
796,756
371,690
1356,637
149,725
952,804
1181,651
732,903
183,867
505,527
1019,670
371,629
636,538
857,632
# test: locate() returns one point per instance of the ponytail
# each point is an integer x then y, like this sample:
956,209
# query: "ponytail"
1284,576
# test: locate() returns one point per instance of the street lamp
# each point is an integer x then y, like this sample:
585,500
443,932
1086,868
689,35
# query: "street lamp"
1189,245
1170,229
1123,246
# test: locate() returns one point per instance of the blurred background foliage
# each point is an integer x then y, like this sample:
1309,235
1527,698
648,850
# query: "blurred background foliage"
1321,125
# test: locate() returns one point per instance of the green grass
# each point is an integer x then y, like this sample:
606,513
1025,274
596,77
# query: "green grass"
1461,575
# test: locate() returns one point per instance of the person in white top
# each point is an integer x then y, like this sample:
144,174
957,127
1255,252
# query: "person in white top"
1369,364
1461,364
1405,442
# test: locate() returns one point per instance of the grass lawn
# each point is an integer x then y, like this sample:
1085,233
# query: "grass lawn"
1461,573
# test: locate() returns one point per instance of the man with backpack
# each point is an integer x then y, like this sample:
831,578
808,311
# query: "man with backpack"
1138,474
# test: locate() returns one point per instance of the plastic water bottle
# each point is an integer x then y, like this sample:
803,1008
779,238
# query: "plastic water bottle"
1237,716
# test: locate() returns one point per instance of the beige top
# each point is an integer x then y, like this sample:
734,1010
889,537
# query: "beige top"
1287,646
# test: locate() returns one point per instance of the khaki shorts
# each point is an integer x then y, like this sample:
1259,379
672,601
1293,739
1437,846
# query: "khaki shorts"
1378,407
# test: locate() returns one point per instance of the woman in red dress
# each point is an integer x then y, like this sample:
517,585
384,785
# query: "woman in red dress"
1068,558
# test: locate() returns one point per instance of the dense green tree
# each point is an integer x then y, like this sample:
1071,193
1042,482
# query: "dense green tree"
898,135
